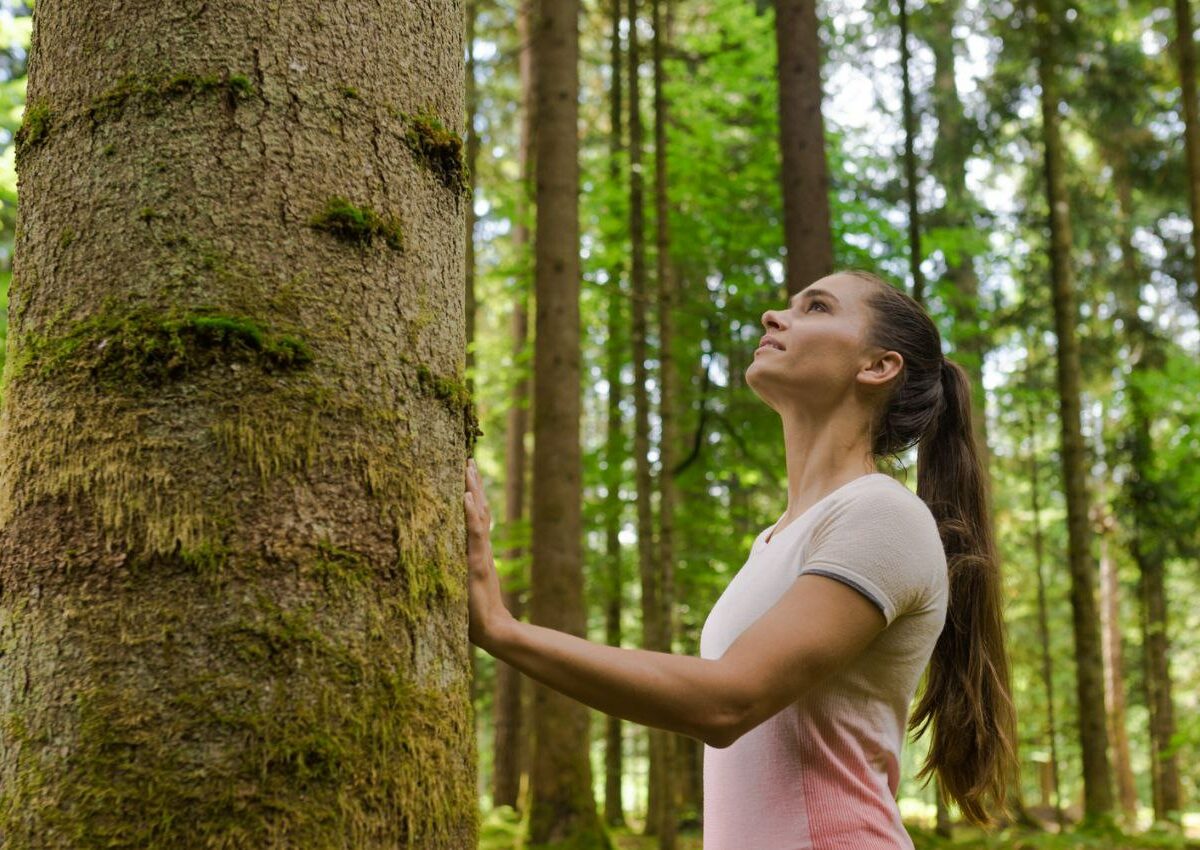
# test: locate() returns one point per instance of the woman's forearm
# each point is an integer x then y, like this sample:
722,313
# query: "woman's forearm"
679,693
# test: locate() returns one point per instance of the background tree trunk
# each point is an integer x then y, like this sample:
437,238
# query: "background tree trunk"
668,422
614,451
510,756
562,806
1093,735
231,454
910,163
1185,46
808,233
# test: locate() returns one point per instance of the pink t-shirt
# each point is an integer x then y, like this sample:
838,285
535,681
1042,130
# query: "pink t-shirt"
823,773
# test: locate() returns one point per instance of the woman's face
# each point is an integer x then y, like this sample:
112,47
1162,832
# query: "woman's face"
813,350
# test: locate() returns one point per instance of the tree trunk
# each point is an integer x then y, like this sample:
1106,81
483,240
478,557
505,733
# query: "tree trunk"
951,150
668,813
910,164
614,814
1093,735
808,233
1147,547
1114,673
562,806
231,456
1185,45
651,593
510,755
1043,614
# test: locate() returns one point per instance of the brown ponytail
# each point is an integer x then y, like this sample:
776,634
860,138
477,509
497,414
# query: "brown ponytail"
967,696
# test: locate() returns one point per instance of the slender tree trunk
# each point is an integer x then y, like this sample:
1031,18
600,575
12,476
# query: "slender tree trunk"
1044,618
510,755
1114,670
614,452
231,597
1185,45
951,150
562,806
651,591
808,233
910,163
1093,734
669,425
1146,547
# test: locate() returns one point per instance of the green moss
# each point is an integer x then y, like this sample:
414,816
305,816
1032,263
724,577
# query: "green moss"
457,399
306,726
145,347
35,127
358,225
438,149
66,237
350,92
155,90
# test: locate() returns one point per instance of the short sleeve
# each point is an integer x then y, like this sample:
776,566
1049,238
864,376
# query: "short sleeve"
882,543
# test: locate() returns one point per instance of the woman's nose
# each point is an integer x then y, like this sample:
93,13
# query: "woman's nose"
769,320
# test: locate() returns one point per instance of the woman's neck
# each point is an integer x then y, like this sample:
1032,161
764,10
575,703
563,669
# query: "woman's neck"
822,454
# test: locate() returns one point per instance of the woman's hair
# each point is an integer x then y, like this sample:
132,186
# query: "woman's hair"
967,696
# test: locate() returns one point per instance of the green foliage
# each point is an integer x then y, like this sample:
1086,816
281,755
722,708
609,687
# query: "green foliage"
358,225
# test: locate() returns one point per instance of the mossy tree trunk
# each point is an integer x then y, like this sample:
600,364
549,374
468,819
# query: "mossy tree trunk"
562,806
1089,670
807,230
233,610
510,756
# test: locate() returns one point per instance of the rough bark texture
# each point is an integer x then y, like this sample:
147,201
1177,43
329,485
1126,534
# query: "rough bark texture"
1185,46
1093,734
232,607
614,449
808,233
509,755
667,813
562,808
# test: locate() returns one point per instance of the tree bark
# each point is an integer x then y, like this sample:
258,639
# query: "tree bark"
808,233
510,755
1185,46
614,814
1093,735
562,806
232,565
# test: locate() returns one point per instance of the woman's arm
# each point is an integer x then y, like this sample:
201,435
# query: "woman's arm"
818,625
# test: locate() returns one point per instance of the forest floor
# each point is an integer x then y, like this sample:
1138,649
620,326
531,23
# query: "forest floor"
502,831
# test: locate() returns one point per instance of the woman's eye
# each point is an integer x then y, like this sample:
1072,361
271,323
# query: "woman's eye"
817,304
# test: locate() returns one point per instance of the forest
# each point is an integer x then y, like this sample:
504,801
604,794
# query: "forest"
269,274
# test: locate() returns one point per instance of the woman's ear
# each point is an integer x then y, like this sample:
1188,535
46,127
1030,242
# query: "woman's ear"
880,371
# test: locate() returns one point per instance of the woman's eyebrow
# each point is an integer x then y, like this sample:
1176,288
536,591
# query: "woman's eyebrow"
814,293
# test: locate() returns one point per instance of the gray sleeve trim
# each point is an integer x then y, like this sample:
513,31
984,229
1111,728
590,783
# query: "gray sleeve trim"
846,580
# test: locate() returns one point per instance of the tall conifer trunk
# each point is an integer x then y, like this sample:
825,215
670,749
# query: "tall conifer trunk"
562,805
808,232
232,446
1089,678
669,426
614,450
1185,48
510,756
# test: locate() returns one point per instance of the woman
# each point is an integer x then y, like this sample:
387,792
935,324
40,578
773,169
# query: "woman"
811,657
